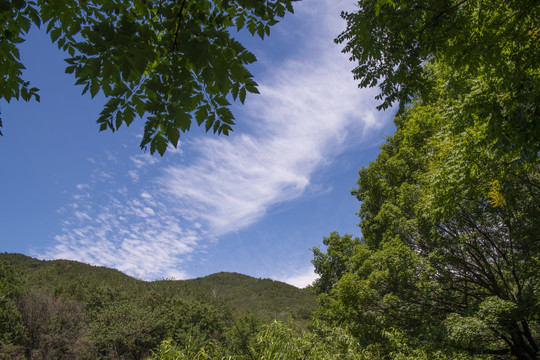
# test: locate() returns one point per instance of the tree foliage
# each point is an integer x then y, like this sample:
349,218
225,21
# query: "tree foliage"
333,264
448,260
13,333
393,41
449,250
68,310
173,62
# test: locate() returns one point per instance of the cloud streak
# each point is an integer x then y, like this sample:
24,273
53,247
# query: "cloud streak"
309,111
300,278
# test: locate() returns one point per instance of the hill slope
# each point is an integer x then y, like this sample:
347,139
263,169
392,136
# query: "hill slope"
240,294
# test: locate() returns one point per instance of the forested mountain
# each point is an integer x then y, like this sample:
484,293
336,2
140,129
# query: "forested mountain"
67,309
240,294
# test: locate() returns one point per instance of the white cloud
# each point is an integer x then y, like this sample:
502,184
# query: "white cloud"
309,110
82,215
82,186
300,279
134,175
144,159
110,157
146,195
128,235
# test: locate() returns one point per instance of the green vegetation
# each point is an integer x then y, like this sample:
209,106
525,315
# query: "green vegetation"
264,298
489,49
66,309
172,62
448,265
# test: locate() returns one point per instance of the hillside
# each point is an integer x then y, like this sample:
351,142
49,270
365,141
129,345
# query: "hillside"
262,297
239,294
62,309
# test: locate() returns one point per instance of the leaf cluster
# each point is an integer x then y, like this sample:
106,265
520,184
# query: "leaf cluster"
395,42
172,62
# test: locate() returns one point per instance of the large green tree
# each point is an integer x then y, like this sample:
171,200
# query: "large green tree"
449,254
449,250
13,333
172,62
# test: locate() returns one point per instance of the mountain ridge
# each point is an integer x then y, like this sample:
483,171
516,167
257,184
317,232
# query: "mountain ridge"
241,294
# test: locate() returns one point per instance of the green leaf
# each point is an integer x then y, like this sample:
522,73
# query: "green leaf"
86,87
129,115
24,23
252,89
50,25
243,95
260,31
222,101
119,119
289,6
248,57
173,134
140,106
240,22
280,9
55,34
158,143
209,122
225,115
252,26
70,69
234,90
94,88
201,115
225,129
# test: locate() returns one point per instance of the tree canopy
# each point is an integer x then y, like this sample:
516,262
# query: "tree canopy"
393,43
449,249
173,62
447,264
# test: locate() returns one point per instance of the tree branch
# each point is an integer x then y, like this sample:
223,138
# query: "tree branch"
178,24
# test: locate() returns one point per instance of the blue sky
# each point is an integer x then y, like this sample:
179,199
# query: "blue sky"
254,202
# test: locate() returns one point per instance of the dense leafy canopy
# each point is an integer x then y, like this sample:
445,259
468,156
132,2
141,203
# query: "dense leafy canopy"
175,62
449,254
450,249
393,41
448,263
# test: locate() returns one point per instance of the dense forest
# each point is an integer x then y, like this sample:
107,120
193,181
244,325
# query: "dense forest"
63,309
448,264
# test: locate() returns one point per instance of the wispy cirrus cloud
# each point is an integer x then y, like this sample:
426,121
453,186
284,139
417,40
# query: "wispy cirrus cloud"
135,234
309,111
306,114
